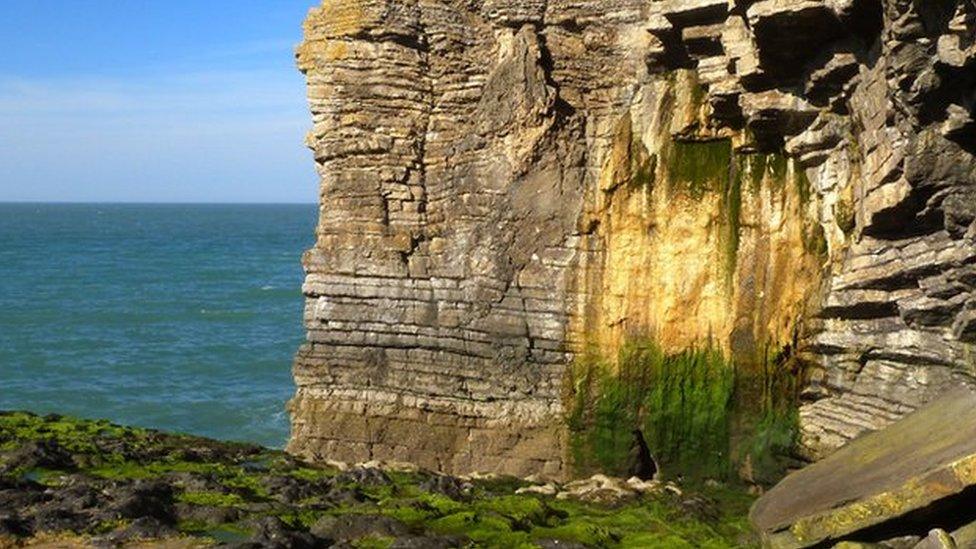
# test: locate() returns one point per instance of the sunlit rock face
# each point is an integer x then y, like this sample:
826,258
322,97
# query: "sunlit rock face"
507,184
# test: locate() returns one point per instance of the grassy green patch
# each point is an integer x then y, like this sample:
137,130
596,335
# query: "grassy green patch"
440,503
230,475
491,515
224,533
239,479
377,492
213,499
486,529
72,434
515,521
499,485
410,513
311,474
111,525
303,518
580,530
520,509
654,523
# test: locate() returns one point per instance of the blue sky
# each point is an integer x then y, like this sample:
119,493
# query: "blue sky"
153,101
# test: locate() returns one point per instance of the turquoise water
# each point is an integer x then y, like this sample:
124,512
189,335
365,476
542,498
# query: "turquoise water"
177,317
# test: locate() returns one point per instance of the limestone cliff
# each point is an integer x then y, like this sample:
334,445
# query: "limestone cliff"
509,184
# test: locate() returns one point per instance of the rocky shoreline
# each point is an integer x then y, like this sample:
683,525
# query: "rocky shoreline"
67,482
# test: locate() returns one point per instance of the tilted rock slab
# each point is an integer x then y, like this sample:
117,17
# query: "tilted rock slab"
879,478
507,183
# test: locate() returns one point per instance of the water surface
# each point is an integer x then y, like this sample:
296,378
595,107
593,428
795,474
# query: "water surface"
178,317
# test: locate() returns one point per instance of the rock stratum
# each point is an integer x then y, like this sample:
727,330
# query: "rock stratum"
508,186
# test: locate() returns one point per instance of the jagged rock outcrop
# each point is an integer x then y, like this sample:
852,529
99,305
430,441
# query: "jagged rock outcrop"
506,184
891,334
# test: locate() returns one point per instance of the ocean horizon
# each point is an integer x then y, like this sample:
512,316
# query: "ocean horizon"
174,316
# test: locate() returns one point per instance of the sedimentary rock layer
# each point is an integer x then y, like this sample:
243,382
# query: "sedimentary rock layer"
506,184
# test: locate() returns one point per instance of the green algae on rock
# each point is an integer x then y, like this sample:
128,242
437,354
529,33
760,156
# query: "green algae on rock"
699,167
680,402
702,416
95,482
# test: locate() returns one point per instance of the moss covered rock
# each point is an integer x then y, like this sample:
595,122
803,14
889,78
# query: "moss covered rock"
91,482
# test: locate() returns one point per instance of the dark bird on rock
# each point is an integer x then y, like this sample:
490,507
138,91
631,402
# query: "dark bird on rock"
640,462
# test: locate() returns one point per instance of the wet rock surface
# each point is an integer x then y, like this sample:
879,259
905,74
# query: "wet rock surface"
74,483
912,484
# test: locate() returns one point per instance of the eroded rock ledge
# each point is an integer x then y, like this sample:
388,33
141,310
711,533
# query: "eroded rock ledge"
506,184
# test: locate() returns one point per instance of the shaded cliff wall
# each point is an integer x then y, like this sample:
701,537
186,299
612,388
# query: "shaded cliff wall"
507,184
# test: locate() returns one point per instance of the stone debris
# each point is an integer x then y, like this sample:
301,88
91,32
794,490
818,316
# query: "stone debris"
649,486
549,489
937,539
396,466
477,475
598,488
603,489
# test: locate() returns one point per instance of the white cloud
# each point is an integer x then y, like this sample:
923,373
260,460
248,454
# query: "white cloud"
218,135
191,92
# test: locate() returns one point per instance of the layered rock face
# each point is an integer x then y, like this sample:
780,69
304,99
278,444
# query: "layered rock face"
507,184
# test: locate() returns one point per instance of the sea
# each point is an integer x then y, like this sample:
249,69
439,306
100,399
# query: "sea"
176,317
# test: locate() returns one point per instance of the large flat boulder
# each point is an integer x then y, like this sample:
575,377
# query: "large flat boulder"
880,482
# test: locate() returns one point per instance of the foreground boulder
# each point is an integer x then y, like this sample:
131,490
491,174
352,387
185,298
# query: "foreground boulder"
907,481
